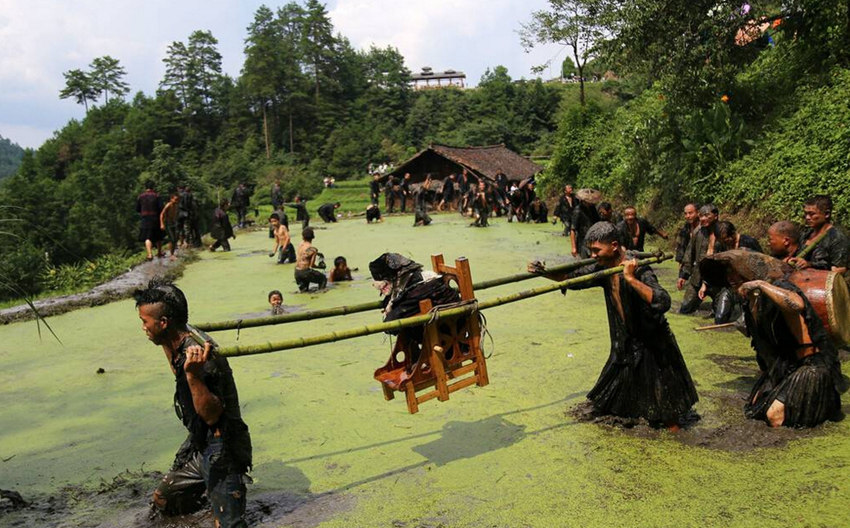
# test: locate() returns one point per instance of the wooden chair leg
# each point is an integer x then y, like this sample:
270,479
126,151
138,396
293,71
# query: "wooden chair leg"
412,404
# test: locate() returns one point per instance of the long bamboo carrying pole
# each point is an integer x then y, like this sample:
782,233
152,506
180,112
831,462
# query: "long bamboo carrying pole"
374,305
808,249
300,342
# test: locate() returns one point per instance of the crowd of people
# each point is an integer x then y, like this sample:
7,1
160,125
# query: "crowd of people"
645,377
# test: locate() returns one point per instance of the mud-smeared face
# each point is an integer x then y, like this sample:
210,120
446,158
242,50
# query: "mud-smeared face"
814,216
276,300
690,213
605,253
153,322
777,243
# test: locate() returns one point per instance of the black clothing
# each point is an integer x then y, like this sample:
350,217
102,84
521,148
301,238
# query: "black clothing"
809,387
404,187
564,211
584,216
221,230
301,213
628,238
239,201
373,214
833,250
149,206
645,375
448,190
305,277
374,191
748,242
219,380
276,196
538,213
327,212
683,238
481,205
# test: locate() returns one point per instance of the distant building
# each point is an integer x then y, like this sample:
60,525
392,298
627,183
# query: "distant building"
482,163
428,78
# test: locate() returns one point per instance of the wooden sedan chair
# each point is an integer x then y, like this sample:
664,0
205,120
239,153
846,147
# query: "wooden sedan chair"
449,357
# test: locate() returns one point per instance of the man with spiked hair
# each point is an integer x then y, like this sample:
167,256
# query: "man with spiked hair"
217,453
645,376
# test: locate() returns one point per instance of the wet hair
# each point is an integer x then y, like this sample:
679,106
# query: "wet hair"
274,216
726,229
709,209
692,204
822,201
273,293
339,260
149,184
165,293
337,204
308,234
632,207
787,229
173,193
604,232
604,206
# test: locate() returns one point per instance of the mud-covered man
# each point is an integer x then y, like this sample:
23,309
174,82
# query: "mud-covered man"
216,455
800,382
645,375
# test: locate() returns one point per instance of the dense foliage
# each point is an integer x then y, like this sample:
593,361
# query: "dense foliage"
743,104
10,157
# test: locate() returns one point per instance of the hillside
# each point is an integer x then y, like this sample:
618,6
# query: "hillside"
10,157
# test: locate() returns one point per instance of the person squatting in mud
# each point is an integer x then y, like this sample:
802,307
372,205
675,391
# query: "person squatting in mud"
216,455
800,381
645,375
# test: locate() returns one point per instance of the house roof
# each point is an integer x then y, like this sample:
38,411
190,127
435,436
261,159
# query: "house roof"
486,161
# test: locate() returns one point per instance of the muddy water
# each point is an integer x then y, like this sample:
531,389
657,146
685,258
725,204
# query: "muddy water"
329,451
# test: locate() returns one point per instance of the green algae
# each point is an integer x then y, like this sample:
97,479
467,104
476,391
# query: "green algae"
509,454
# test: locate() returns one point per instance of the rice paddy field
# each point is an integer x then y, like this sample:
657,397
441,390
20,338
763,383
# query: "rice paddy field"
84,448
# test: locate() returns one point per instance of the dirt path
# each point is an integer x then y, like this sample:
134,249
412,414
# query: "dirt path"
118,288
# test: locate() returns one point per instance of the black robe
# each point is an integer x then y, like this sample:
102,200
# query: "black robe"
645,375
809,387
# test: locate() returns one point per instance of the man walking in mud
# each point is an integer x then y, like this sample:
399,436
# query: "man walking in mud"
216,455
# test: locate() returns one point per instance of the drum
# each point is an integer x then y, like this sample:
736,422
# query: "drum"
829,295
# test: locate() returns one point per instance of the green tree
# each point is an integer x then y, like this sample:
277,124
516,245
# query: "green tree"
79,85
579,25
107,75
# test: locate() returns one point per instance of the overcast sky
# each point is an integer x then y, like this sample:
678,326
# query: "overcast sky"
40,39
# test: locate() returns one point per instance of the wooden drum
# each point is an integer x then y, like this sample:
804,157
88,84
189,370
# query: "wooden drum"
829,295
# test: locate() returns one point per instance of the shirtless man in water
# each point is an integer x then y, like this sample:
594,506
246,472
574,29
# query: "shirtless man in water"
283,248
305,261
168,221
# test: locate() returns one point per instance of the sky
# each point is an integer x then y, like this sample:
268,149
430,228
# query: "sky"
41,39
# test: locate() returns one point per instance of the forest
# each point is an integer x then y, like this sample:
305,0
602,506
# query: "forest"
742,104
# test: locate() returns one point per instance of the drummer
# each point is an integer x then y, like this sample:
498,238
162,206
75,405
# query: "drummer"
833,252
800,383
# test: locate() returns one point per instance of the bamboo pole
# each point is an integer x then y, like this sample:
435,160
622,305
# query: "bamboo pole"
376,328
808,249
374,305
